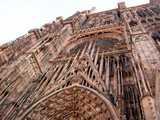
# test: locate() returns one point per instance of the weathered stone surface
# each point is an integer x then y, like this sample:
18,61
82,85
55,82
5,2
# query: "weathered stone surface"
90,66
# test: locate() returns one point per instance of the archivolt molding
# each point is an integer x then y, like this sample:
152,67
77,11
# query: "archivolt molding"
84,93
99,33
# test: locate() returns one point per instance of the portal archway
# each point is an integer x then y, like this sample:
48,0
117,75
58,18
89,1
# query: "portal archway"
74,102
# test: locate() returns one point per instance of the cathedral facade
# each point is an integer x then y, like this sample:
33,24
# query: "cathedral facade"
90,66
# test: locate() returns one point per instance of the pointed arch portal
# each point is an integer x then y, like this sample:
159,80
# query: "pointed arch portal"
74,103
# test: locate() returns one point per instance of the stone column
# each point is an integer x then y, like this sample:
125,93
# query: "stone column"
148,106
145,54
157,94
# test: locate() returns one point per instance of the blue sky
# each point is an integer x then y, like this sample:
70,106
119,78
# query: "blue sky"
19,16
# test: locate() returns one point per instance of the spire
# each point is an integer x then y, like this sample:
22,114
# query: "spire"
121,5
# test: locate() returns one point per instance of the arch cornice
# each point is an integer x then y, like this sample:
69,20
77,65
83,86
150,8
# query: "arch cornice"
93,34
109,105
